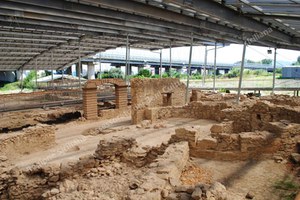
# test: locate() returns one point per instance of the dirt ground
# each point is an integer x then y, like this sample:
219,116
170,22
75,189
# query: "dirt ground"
258,177
80,138
77,139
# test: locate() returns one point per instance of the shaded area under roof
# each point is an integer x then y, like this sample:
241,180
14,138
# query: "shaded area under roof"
38,34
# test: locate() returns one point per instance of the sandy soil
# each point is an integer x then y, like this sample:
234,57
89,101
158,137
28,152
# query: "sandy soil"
241,177
73,141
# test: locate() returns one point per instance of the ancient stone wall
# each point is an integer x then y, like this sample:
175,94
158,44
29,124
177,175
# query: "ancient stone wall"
30,140
147,93
258,114
114,113
278,138
198,95
198,110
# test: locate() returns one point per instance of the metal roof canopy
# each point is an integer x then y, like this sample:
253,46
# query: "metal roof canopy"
52,34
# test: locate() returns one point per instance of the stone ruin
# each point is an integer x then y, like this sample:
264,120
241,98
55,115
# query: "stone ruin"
90,108
257,128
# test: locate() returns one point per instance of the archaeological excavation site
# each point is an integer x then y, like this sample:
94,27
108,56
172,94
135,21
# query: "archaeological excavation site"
149,100
154,146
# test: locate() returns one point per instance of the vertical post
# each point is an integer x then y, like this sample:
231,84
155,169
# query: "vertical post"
160,61
62,77
79,63
36,74
170,55
205,64
129,67
100,65
52,70
274,71
22,80
241,73
215,68
189,70
126,67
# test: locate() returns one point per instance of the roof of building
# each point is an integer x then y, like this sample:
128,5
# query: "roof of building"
38,34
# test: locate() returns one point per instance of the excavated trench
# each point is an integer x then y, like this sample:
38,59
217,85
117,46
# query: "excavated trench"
49,119
67,117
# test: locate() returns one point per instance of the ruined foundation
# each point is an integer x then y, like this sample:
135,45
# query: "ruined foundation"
153,154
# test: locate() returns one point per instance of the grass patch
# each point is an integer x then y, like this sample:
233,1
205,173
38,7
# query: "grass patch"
287,188
10,86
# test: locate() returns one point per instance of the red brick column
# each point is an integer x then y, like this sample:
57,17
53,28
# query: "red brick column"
90,108
121,97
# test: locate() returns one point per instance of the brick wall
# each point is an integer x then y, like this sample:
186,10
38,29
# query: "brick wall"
147,93
90,108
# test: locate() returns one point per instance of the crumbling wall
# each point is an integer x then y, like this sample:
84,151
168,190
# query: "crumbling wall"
278,138
198,110
114,113
30,140
282,100
258,114
199,95
40,181
163,174
147,93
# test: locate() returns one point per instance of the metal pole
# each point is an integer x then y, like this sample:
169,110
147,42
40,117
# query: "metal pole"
100,64
52,70
274,71
22,80
189,70
241,73
160,60
129,67
36,74
205,64
170,57
79,64
62,76
215,68
126,67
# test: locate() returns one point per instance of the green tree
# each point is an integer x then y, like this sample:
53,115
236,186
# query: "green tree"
113,73
298,61
250,61
28,81
266,61
144,73
234,72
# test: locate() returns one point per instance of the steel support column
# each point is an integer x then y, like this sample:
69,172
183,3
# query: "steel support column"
22,80
241,73
170,55
36,74
52,84
79,63
274,71
160,61
189,70
126,67
100,76
205,65
129,66
62,76
215,68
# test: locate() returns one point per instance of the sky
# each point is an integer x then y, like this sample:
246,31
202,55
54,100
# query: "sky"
225,55
233,53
